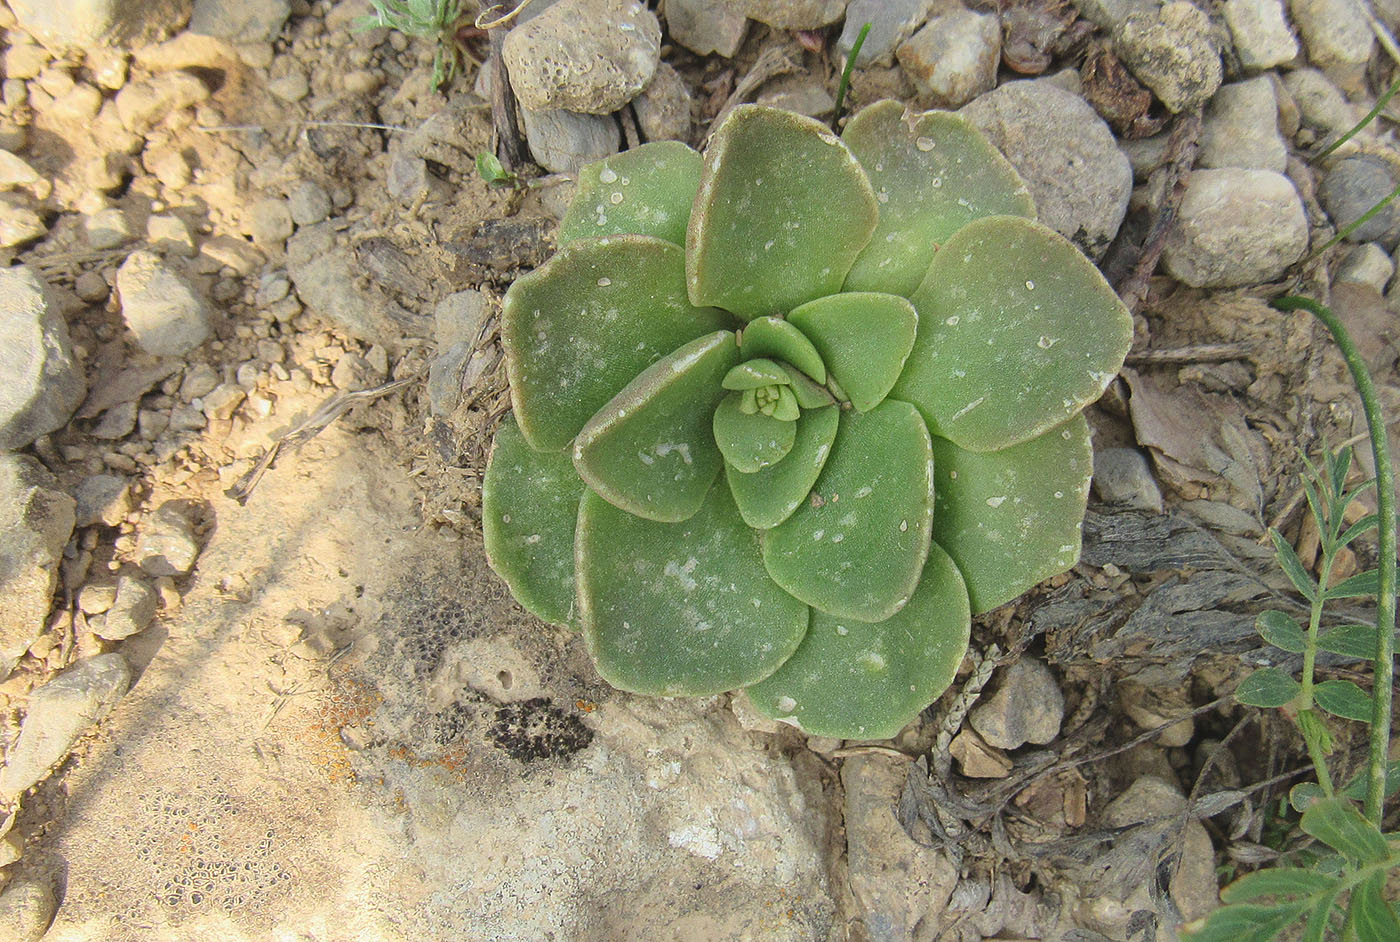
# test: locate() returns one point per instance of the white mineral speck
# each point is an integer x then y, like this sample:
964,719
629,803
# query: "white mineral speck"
505,518
953,321
842,630
786,704
995,502
617,198
1030,285
924,144
903,526
608,175
604,282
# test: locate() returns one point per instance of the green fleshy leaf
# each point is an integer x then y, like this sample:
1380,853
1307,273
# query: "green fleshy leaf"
582,326
683,609
1292,566
860,680
1302,795
856,550
863,338
1018,332
651,451
933,174
647,190
786,409
807,393
768,497
1012,518
529,505
1343,698
1267,687
1281,631
775,338
1349,640
1337,823
1277,881
782,211
751,443
755,373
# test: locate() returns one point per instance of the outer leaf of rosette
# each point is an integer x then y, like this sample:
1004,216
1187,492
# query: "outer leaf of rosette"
768,497
782,211
647,190
753,442
864,339
857,547
681,609
1018,332
651,450
933,174
583,325
1013,518
776,339
861,680
529,506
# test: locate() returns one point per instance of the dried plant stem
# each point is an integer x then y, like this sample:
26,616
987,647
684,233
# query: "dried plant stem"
1383,692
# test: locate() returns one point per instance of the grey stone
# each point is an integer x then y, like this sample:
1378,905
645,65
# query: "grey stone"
1146,154
167,545
1241,128
1151,707
954,58
798,93
706,26
36,519
897,884
891,23
199,381
170,235
1122,476
1366,264
97,597
451,375
91,287
1170,50
132,611
587,56
107,228
161,308
324,274
102,22
269,222
663,109
458,317
1351,187
19,223
1027,707
292,87
1335,35
1321,105
14,172
43,384
309,203
143,105
793,14
59,712
104,499
564,142
117,422
232,252
26,910
1079,178
223,401
1235,227
1194,888
240,21
1261,34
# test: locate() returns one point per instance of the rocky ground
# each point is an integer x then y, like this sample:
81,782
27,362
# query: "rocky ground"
256,678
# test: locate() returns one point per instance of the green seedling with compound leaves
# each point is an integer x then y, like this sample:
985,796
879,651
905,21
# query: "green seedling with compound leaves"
787,414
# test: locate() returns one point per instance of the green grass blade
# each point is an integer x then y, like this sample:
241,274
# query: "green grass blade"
1370,116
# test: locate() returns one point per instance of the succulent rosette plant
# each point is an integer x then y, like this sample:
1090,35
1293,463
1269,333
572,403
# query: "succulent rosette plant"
787,415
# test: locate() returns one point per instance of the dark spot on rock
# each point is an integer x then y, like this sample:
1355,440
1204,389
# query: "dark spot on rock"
537,729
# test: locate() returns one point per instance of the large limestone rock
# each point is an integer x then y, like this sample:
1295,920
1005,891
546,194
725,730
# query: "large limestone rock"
43,384
36,519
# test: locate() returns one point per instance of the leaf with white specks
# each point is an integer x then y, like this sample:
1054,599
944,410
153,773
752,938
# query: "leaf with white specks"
857,547
651,450
868,680
529,505
1018,332
680,609
1012,518
646,190
768,497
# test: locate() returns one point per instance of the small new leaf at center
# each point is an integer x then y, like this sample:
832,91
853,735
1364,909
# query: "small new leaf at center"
753,441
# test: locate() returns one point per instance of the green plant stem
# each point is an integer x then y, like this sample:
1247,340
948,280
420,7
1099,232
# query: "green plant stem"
846,75
1354,225
1384,680
1315,751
